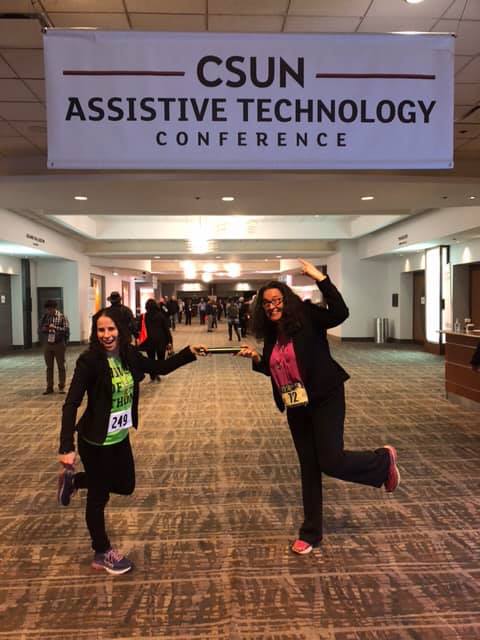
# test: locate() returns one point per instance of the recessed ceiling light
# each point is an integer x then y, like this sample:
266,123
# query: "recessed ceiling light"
80,197
472,197
413,1
228,198
367,198
156,257
115,273
278,256
265,260
218,257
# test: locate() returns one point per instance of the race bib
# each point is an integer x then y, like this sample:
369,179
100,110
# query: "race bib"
120,420
294,395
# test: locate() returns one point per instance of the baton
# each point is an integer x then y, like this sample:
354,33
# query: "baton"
224,349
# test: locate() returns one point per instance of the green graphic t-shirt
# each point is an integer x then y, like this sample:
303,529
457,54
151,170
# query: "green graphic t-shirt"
122,395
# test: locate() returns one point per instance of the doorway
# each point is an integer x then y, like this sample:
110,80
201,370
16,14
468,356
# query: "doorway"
5,313
419,307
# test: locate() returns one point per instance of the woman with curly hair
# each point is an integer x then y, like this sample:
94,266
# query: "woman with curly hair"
309,384
109,371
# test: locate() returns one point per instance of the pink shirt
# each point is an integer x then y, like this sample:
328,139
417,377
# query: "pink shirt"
283,364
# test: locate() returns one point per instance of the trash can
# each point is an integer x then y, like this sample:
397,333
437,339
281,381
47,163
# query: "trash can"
381,330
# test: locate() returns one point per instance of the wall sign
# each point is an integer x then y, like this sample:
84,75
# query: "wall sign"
138,100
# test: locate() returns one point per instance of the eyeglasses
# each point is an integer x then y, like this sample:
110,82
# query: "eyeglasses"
274,302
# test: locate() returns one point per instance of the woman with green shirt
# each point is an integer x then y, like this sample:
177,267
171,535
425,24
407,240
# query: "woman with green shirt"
109,371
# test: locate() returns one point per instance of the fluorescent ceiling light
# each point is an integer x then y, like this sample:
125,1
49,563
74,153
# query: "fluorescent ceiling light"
228,198
80,197
367,198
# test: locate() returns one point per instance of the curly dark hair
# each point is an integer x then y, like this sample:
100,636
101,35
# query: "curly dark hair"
151,306
123,334
292,316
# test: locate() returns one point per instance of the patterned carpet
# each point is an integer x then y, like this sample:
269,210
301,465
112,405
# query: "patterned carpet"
218,500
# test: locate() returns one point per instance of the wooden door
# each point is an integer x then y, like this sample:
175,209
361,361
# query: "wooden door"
475,295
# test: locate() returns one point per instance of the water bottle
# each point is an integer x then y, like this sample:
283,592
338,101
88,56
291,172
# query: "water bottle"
456,326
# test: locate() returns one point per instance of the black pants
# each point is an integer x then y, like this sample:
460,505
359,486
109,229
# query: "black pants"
108,470
158,352
317,432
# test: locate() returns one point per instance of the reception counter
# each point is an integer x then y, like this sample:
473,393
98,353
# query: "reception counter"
462,384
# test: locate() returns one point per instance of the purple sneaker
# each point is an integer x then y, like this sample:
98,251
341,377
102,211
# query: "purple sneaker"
112,561
66,485
393,476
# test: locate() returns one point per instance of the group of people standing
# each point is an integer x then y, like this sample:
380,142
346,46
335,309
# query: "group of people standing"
307,383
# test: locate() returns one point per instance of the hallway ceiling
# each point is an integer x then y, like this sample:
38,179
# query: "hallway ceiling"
277,212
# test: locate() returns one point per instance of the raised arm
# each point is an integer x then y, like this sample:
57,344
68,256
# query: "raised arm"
336,311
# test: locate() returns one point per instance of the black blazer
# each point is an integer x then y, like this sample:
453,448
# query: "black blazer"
92,375
320,373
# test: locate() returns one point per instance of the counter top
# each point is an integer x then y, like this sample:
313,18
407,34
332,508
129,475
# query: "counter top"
469,334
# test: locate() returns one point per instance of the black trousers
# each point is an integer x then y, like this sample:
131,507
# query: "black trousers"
108,470
317,432
159,353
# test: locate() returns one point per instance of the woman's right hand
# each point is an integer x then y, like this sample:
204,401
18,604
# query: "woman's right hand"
67,458
246,351
198,349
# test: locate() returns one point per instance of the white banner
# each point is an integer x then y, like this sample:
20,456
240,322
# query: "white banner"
145,100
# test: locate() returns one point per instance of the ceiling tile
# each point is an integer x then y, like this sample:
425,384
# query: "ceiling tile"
247,7
157,22
14,111
466,131
15,90
16,6
27,63
5,71
83,5
472,11
16,146
313,24
326,8
387,24
20,33
245,23
461,62
99,20
166,6
455,11
472,145
402,9
470,73
467,41
467,93
38,88
31,129
6,130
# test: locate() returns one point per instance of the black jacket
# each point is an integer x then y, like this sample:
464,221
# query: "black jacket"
158,331
92,375
320,373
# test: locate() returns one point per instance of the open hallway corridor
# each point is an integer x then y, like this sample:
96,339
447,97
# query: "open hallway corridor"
218,501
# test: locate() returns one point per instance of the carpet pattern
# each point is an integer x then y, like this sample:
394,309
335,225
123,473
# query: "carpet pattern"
218,501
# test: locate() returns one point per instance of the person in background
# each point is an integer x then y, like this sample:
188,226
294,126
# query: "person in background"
202,310
109,372
243,316
54,332
181,306
158,339
309,384
123,314
231,314
172,306
210,314
188,311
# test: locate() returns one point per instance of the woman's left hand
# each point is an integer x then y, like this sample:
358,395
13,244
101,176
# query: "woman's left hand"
198,349
311,270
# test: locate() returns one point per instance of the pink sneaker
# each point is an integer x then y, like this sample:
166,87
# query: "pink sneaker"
301,547
393,476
